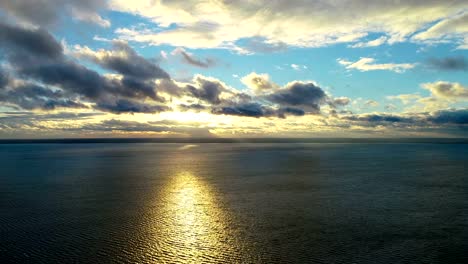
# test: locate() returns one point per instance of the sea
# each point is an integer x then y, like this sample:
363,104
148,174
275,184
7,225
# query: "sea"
234,202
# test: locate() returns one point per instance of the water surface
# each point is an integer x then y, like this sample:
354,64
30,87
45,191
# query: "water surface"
234,203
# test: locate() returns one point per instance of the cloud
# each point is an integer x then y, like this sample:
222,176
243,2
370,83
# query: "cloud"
44,75
4,79
160,127
447,90
455,117
30,41
33,96
207,89
191,60
299,23
47,13
91,17
66,124
458,63
195,107
298,94
28,119
390,107
464,44
35,55
371,103
284,111
341,101
368,64
261,45
442,95
405,98
380,118
449,27
129,106
371,43
298,67
270,100
259,83
257,110
294,99
122,59
170,87
247,109
426,119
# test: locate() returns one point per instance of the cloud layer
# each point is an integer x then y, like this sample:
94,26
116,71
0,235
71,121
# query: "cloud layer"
274,24
47,13
43,77
47,76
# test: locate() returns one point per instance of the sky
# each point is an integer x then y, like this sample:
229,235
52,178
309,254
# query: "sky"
233,68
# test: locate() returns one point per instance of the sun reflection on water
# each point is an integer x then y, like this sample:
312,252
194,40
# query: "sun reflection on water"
193,228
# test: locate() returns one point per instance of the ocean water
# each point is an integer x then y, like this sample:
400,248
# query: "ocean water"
234,203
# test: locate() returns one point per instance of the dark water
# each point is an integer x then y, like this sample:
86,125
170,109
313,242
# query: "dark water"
234,203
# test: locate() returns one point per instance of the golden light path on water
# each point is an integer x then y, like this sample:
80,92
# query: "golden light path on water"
190,225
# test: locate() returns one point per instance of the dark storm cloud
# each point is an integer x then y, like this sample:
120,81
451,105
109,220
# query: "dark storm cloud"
36,55
75,78
37,42
208,90
47,12
170,87
128,106
130,64
52,104
283,112
196,107
70,76
455,117
4,79
300,94
459,63
296,99
187,58
249,109
378,118
133,87
32,96
256,110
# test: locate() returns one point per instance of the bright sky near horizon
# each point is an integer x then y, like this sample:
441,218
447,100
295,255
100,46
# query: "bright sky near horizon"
233,68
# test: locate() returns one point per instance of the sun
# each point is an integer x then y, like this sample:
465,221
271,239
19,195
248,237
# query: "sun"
190,117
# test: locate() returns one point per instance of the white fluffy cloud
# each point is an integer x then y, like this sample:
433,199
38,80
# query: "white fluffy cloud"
446,29
447,90
369,64
259,83
304,23
90,17
371,43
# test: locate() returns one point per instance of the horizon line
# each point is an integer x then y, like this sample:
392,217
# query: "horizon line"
452,140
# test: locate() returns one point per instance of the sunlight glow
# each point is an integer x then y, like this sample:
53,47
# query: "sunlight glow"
201,117
193,228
